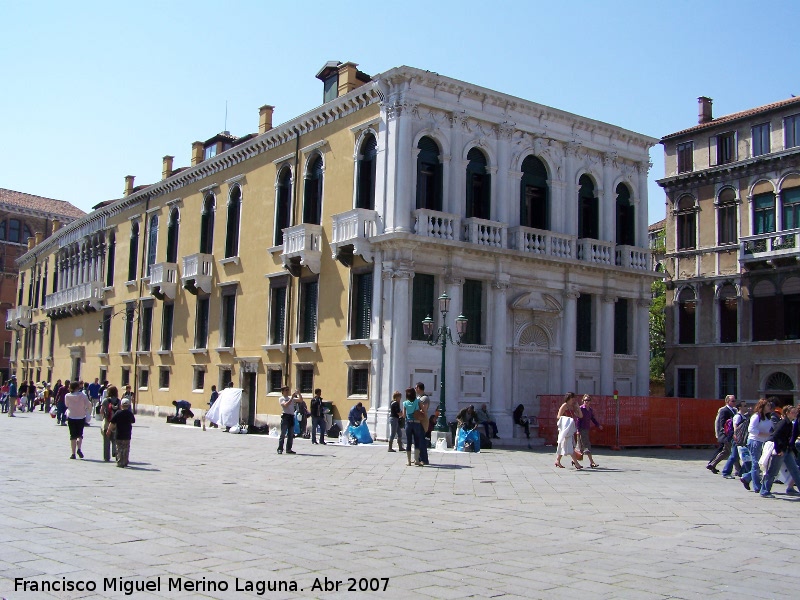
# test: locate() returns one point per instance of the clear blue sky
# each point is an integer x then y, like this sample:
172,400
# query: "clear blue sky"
94,91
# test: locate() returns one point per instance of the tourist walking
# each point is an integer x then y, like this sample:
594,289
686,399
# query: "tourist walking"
108,408
784,452
30,396
318,418
395,414
61,405
739,440
723,430
759,432
121,427
79,407
584,424
13,395
566,421
414,433
287,421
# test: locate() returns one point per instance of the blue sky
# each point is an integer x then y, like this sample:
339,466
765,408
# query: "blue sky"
94,91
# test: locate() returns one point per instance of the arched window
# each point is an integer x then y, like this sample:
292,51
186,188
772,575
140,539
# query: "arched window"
728,306
234,216
790,198
626,217
365,186
152,242
726,217
283,205
534,195
14,231
133,253
687,307
312,199
207,225
588,209
687,228
763,208
26,233
479,198
112,252
429,175
3,228
172,235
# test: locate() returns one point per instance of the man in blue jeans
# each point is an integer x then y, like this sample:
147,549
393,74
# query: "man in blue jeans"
734,462
287,421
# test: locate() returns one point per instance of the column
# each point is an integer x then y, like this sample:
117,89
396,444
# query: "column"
608,212
399,326
502,396
568,339
606,331
455,203
570,193
643,347
403,199
641,208
379,403
501,204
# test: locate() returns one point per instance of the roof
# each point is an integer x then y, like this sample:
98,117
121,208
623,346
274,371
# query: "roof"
658,225
59,208
736,116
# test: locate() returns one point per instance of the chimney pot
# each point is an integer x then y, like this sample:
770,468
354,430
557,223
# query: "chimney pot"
55,226
265,118
348,80
197,153
129,184
166,166
704,114
31,241
37,235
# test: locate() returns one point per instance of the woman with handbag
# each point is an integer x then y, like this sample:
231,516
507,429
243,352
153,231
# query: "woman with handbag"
108,407
783,452
567,423
395,427
759,430
79,407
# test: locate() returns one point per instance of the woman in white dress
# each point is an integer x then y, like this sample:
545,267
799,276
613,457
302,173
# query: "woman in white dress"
568,414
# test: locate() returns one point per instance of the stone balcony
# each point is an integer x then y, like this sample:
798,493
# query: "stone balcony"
163,280
198,270
541,241
81,298
596,251
632,257
484,233
436,224
302,247
18,317
768,249
351,233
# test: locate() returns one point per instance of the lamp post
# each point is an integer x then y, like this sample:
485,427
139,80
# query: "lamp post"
440,336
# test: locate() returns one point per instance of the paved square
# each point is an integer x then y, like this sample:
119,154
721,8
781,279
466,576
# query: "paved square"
205,508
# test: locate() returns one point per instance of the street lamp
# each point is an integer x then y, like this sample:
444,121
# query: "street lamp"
441,335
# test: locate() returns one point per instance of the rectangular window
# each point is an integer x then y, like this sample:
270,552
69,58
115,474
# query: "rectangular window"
761,139
146,327
791,316
686,322
686,231
726,224
727,381
124,378
726,148
106,333
421,303
7,350
127,341
583,331
167,318
361,302
685,154
359,381
621,326
686,383
225,378
791,131
763,213
227,316
144,378
275,380
305,380
277,316
201,323
308,311
728,316
199,378
210,152
163,378
473,310
764,315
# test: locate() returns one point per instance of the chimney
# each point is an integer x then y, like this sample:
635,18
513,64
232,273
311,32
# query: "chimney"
265,118
55,227
37,236
347,78
704,110
30,243
129,184
166,166
197,153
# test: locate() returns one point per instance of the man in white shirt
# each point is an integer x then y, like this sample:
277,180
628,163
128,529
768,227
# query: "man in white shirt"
287,421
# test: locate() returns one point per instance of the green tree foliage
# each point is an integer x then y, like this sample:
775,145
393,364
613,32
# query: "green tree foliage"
657,329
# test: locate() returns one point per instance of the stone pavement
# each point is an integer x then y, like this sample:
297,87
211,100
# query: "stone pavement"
208,508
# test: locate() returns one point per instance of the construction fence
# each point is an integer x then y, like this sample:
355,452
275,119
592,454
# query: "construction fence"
640,421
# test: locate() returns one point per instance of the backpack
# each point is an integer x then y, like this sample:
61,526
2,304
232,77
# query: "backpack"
740,433
727,428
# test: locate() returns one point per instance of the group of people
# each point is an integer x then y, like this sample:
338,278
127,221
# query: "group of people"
757,446
574,422
293,407
24,396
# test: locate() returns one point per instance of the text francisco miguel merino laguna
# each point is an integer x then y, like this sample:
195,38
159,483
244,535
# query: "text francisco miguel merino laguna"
168,584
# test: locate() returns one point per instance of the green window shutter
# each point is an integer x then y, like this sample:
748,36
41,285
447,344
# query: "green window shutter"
791,208
365,190
278,327
309,331
472,309
422,303
363,314
232,238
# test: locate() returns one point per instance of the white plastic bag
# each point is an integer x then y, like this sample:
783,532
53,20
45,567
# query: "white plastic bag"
766,456
441,444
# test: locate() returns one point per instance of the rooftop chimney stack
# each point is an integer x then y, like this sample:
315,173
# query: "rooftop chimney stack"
30,243
197,153
265,118
347,78
55,227
166,166
704,110
129,184
37,236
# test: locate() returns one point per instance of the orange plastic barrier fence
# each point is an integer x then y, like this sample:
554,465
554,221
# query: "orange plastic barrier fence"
640,420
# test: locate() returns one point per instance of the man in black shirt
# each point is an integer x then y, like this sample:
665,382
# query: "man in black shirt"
122,422
317,417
